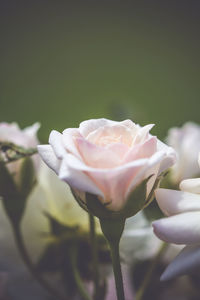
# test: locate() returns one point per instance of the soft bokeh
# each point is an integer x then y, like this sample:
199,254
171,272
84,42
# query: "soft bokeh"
67,61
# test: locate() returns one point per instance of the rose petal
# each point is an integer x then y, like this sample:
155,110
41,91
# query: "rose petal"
170,157
109,134
97,157
49,157
199,159
173,202
179,229
142,134
77,179
88,126
55,140
68,137
186,262
31,131
150,168
147,149
191,185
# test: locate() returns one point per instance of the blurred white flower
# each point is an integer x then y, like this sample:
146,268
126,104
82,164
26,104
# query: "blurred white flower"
182,225
138,240
186,141
27,138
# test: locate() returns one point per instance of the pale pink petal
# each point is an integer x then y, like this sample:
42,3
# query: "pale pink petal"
173,202
170,157
68,137
78,179
191,185
47,154
142,134
199,160
119,149
109,134
88,126
114,184
144,150
151,167
31,131
179,229
55,140
95,156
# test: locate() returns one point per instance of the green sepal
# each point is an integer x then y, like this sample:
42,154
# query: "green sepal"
112,230
136,199
27,178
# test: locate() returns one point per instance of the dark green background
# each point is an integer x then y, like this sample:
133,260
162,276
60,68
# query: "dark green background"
64,63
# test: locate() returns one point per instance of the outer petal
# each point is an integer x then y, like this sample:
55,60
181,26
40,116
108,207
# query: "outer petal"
191,185
78,179
112,182
55,140
179,229
151,168
186,262
170,158
49,157
88,126
69,135
173,202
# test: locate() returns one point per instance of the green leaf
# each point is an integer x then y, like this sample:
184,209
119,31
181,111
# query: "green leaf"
59,229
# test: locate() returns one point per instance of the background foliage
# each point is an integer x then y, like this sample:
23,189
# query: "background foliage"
65,62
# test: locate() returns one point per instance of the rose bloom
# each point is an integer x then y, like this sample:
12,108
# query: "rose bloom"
107,158
184,139
27,138
182,225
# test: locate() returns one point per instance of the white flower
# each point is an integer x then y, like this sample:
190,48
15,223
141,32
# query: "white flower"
138,240
107,158
182,225
186,142
27,138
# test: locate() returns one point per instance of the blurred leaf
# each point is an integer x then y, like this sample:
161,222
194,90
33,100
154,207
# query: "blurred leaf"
13,203
27,178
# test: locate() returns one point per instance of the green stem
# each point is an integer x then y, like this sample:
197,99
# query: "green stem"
94,248
113,229
148,275
24,255
80,286
114,247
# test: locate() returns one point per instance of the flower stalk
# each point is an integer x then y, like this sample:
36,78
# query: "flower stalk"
94,248
112,230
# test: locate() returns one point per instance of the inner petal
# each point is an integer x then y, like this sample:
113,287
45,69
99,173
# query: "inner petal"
96,156
106,135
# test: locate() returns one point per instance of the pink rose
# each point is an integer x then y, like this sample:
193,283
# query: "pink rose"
107,158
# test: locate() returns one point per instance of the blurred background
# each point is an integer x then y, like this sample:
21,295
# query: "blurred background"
64,62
